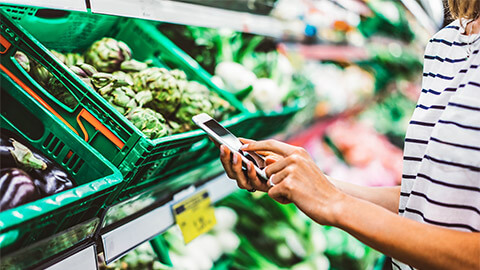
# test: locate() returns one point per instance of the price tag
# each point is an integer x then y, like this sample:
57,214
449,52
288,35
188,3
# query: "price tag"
194,215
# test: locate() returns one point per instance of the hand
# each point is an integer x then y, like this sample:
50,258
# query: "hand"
298,179
249,179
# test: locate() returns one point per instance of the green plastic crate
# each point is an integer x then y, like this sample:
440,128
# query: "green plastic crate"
142,161
97,179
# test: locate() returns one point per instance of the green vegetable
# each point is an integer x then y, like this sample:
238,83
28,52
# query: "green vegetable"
165,86
151,123
107,54
195,100
133,66
85,72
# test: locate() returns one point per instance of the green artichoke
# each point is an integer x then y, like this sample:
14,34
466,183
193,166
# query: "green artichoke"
43,77
69,59
23,60
122,98
175,127
60,92
166,90
151,123
222,109
39,73
107,54
60,56
195,100
133,66
102,79
84,72
72,59
122,79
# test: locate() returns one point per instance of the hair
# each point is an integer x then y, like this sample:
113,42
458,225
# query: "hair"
464,9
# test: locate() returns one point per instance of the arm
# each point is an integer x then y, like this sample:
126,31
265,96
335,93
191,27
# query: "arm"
297,179
386,197
420,245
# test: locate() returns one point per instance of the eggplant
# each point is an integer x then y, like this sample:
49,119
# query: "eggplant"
6,158
47,176
16,188
51,180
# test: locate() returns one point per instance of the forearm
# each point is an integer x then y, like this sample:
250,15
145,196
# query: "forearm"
420,245
386,197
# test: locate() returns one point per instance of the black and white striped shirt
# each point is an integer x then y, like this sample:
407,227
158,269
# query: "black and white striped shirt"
441,173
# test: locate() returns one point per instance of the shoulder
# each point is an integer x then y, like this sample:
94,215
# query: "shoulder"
449,32
446,43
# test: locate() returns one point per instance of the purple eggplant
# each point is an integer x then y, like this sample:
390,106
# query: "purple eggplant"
6,158
16,188
51,180
47,176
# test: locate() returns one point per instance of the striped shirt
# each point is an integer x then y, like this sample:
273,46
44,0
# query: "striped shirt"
441,167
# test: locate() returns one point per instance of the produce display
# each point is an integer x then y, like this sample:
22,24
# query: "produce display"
246,65
158,101
277,236
392,115
365,105
352,86
143,257
355,152
26,175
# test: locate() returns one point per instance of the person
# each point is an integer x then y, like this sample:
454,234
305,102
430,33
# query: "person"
431,221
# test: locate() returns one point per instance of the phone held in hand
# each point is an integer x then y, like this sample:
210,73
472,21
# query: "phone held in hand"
221,135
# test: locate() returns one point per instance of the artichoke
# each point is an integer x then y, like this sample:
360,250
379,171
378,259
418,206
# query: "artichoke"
122,98
40,73
175,127
69,59
85,72
101,79
60,56
122,79
151,123
23,60
195,100
222,109
60,92
133,66
107,54
72,59
166,90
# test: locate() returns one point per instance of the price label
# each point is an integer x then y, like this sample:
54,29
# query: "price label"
194,215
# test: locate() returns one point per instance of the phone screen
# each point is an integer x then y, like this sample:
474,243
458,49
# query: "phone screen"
228,137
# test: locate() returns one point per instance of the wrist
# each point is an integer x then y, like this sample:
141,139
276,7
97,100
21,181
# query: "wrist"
340,208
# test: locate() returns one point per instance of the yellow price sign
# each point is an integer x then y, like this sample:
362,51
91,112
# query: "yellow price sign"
194,215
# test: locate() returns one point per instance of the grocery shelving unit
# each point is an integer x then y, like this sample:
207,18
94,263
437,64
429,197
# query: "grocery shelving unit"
119,240
179,13
124,234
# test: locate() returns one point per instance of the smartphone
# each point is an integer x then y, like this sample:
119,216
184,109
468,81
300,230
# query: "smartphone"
221,135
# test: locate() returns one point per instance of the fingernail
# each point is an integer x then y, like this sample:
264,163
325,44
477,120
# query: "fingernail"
222,151
235,158
245,146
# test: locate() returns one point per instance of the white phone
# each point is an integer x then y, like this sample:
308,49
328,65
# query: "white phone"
225,137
